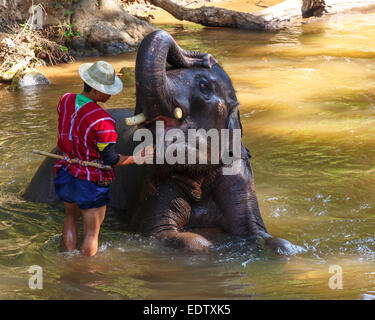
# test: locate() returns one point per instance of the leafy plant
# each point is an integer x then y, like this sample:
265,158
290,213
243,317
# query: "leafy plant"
70,32
26,27
68,13
58,5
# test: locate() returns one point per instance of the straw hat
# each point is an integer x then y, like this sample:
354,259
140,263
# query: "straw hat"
101,76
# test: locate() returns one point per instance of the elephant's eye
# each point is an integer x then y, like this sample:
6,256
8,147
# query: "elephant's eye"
203,85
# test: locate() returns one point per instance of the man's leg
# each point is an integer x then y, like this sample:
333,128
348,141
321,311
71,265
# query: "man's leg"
92,219
70,230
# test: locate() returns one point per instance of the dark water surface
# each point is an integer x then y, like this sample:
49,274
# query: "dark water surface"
308,110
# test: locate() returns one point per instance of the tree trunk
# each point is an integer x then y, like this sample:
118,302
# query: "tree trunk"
312,8
272,18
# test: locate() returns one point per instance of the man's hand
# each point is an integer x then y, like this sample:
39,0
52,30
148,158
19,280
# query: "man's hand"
145,156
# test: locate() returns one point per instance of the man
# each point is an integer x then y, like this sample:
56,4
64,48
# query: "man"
87,132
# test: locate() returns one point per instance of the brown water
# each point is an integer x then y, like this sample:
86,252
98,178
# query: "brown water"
308,110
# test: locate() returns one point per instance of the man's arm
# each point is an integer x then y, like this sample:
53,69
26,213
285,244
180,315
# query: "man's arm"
125,160
112,158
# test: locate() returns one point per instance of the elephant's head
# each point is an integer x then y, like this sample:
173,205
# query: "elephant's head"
195,93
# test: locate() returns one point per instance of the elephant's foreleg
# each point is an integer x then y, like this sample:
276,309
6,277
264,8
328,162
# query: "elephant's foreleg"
240,215
165,217
236,200
186,240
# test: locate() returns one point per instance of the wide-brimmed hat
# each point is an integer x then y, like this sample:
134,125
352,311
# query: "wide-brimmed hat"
101,76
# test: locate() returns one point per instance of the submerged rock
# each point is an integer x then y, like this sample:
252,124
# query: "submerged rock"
127,74
28,78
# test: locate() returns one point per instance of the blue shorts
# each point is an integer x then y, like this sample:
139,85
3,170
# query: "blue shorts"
85,193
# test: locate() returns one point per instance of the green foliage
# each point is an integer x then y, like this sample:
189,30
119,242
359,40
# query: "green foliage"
68,13
26,27
69,32
58,5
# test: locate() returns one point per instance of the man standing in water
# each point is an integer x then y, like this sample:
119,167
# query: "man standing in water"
87,132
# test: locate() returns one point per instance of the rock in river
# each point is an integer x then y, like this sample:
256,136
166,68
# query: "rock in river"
28,78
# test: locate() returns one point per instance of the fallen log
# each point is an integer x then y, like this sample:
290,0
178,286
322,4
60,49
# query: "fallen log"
272,18
212,16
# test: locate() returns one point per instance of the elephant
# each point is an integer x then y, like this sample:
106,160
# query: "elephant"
169,201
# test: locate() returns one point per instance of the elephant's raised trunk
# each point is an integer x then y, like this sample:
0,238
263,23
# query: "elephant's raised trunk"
154,89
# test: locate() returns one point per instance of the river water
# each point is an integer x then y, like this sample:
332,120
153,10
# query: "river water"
307,99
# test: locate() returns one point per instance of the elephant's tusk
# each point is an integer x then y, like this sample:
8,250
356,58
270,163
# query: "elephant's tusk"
135,120
177,113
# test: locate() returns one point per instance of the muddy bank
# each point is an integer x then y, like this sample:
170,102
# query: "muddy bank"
52,32
88,28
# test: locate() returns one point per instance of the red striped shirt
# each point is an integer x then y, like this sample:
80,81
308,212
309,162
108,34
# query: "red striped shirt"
92,125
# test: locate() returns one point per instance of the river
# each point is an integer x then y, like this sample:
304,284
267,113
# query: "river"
307,98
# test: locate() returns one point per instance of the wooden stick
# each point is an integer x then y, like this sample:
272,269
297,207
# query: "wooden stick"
87,163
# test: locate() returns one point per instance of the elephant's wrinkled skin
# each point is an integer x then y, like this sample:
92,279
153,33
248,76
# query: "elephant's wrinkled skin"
167,200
